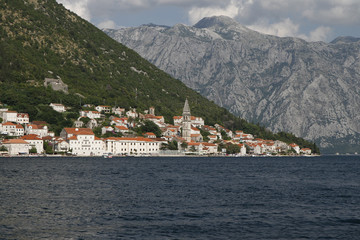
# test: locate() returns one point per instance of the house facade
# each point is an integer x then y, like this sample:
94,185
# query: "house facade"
34,141
82,142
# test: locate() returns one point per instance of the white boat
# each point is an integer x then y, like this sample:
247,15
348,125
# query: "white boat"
107,155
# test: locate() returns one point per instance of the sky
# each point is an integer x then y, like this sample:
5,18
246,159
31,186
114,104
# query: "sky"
312,20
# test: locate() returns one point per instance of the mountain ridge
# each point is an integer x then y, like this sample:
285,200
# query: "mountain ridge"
288,84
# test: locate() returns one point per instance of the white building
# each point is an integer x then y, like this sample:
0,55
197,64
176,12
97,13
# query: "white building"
10,116
119,111
158,120
58,107
295,147
121,129
242,149
195,121
90,114
82,142
132,146
106,129
132,113
103,108
34,141
22,118
60,145
40,130
11,129
16,146
2,110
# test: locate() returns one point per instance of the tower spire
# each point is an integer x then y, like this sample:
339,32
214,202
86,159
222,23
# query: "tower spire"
186,122
186,107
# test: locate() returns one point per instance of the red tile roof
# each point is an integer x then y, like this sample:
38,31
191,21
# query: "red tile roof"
79,131
31,137
14,141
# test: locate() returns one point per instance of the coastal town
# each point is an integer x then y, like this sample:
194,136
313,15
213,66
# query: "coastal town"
186,135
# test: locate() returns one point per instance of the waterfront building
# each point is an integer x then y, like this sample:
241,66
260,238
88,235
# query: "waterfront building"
82,142
34,141
16,146
132,146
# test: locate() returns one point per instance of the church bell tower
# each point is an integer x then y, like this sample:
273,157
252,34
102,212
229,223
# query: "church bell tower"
186,123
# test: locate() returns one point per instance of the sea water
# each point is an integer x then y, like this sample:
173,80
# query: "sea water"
180,198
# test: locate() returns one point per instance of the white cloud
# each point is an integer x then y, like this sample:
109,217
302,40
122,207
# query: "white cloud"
197,13
77,6
320,34
334,12
285,28
108,24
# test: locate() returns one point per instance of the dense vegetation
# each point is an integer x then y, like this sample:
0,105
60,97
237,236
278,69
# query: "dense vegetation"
40,38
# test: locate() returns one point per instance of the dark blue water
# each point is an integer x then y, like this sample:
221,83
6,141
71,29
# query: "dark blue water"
180,198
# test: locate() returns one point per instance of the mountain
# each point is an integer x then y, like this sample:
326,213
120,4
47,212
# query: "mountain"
44,44
308,88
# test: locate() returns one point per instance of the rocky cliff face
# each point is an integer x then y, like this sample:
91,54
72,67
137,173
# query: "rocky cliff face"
308,88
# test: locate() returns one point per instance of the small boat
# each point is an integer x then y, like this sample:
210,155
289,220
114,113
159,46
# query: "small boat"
107,155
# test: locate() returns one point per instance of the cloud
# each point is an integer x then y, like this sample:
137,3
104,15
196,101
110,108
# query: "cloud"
320,34
334,12
108,24
285,28
77,6
197,13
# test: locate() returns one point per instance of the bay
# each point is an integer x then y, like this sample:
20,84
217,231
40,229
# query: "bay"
180,198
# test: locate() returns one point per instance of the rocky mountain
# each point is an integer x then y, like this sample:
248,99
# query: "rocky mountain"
308,88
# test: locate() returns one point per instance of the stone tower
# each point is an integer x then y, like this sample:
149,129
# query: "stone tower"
186,122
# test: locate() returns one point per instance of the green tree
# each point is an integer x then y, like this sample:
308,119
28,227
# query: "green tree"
33,150
149,126
184,145
232,149
48,148
3,149
205,135
173,145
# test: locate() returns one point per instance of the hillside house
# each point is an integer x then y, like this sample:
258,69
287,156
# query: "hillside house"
118,111
121,129
40,130
22,118
11,129
103,109
10,116
58,107
106,129
90,114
